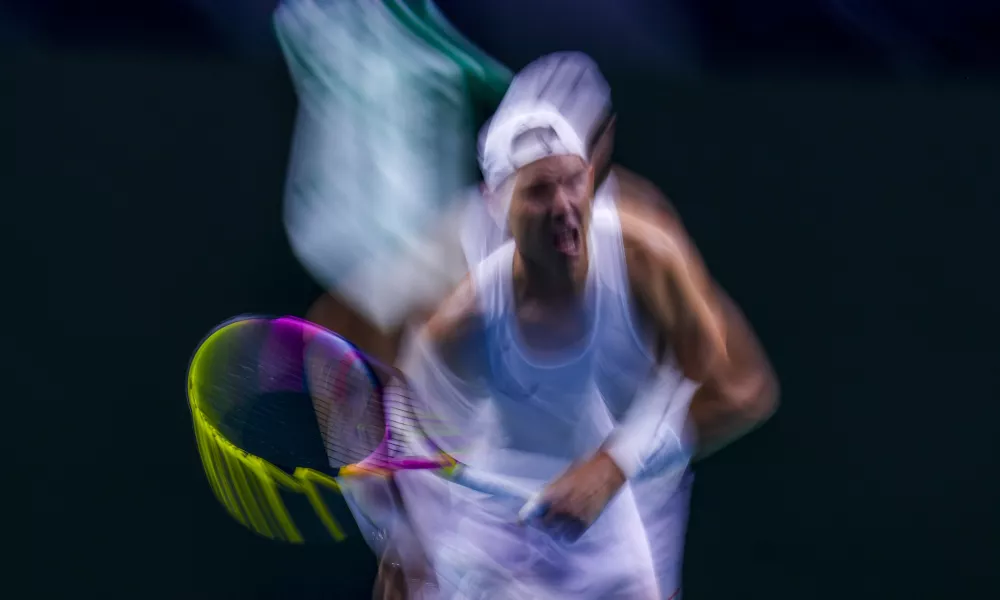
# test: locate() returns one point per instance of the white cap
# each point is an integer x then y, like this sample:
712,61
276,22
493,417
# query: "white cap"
552,107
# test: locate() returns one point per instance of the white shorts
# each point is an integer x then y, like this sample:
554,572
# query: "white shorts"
485,553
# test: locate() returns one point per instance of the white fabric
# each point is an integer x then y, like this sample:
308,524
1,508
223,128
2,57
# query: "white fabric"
568,84
383,129
482,226
508,147
526,418
645,435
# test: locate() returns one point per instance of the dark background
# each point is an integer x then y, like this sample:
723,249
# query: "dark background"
842,188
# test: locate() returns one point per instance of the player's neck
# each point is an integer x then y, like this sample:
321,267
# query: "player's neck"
533,281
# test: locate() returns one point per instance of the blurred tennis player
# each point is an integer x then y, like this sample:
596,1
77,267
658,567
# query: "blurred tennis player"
567,359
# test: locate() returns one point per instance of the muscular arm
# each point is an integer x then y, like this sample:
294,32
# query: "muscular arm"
739,397
672,288
738,387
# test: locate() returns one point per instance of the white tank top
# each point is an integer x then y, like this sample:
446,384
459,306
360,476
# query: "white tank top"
554,409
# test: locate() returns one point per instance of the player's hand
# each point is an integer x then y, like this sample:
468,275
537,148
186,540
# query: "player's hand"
571,504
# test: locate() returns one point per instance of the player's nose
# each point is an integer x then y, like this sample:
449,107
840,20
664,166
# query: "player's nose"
562,206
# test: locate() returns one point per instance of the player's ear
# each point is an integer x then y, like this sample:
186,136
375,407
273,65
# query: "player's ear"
601,148
604,143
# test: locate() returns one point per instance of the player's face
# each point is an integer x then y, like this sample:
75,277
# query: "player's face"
550,209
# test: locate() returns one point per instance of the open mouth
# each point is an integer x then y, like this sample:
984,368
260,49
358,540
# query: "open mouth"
567,240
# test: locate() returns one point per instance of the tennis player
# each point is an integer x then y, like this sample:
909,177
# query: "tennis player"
569,357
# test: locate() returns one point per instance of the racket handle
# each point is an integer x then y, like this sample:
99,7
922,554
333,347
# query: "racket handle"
488,484
533,506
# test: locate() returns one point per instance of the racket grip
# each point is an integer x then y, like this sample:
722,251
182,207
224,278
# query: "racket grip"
533,507
491,485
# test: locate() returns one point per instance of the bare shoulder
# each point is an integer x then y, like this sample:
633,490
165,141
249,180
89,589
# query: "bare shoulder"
652,257
652,241
641,194
651,229
658,250
456,318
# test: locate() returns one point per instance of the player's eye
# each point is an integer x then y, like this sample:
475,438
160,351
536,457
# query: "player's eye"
538,191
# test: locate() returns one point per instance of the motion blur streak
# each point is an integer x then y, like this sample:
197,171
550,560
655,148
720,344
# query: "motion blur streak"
383,145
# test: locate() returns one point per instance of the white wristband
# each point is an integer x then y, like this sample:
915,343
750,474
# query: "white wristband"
674,450
627,454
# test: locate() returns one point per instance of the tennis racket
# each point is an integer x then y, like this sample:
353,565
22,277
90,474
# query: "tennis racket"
284,408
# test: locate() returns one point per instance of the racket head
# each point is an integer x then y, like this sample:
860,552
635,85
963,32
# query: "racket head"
246,380
258,433
287,413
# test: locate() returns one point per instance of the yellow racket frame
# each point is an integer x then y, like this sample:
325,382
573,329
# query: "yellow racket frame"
248,486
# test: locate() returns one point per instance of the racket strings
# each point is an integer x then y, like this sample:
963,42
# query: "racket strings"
347,402
414,420
401,420
409,444
247,384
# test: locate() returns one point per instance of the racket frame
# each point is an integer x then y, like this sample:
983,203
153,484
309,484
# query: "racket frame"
439,462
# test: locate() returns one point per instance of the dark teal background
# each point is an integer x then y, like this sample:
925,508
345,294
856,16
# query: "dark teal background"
852,220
